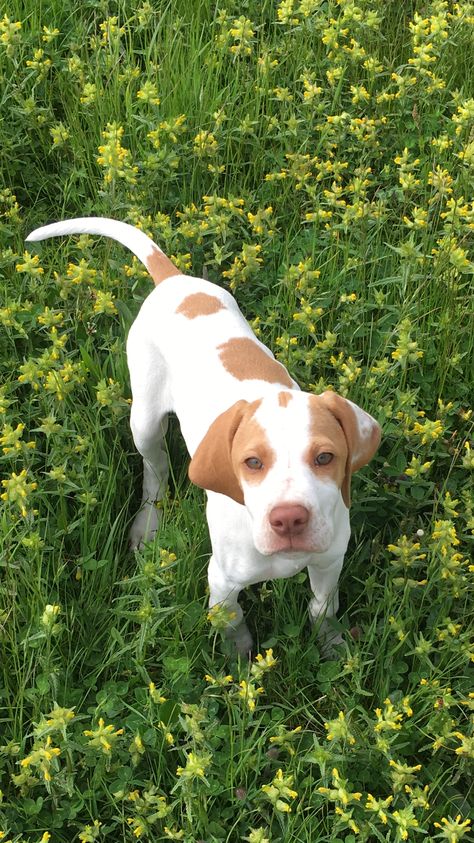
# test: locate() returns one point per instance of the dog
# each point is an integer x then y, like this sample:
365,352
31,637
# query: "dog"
276,462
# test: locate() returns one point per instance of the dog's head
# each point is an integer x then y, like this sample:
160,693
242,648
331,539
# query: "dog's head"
288,458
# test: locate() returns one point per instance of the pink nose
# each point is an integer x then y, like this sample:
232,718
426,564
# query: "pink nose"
289,519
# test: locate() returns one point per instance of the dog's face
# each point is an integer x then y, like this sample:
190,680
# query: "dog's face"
288,458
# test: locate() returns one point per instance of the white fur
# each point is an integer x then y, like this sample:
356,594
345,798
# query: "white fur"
174,366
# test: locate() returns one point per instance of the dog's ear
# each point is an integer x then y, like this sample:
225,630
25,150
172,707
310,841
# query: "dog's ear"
211,466
362,434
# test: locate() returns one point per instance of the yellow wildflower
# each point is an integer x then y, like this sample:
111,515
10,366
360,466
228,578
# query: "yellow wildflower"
279,791
17,490
103,737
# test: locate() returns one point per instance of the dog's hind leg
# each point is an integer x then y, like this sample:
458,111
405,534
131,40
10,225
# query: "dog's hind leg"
149,422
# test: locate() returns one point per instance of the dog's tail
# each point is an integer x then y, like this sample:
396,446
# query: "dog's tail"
158,265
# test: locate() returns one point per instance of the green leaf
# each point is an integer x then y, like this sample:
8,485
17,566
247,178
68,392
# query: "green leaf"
92,564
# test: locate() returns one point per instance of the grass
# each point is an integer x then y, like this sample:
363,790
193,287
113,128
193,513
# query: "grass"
317,158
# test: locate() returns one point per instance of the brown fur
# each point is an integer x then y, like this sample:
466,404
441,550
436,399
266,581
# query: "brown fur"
284,398
360,451
160,267
199,304
327,436
244,359
212,466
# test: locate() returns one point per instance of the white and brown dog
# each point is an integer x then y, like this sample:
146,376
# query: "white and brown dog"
276,462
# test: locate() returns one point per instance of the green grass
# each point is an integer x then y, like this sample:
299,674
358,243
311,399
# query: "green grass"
316,157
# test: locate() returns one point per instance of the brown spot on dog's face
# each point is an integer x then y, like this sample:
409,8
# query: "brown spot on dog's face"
328,452
284,398
251,453
340,420
212,465
199,304
160,267
245,360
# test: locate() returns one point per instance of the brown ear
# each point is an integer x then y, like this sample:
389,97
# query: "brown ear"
211,466
362,434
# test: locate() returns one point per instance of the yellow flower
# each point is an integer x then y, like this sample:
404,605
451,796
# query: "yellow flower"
405,820
110,31
468,458
104,303
405,552
59,134
339,793
205,144
285,13
242,32
379,806
30,265
219,681
39,63
9,33
154,694
249,693
90,833
429,431
148,93
467,745
390,719
49,34
59,717
338,729
220,616
262,664
104,737
42,756
196,766
48,618
279,791
453,830
114,158
284,738
17,490
89,94
402,774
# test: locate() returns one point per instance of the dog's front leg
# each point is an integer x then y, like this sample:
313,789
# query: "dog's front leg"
325,603
224,592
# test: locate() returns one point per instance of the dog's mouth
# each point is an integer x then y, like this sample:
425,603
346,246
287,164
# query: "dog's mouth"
294,545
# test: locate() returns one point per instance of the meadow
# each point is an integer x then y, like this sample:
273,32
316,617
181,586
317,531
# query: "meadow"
316,157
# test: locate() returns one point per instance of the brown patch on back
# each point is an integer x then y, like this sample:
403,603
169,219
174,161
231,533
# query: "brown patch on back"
284,398
160,267
199,304
245,360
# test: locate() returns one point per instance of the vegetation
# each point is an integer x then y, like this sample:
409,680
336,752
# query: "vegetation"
317,157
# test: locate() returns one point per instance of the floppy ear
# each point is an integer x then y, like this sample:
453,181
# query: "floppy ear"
211,466
362,434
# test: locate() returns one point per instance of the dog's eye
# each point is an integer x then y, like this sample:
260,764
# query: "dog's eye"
324,458
254,463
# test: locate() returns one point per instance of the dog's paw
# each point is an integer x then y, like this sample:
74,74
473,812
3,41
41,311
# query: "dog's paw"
242,639
330,639
144,526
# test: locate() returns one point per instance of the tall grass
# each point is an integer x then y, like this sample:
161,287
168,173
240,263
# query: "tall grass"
317,158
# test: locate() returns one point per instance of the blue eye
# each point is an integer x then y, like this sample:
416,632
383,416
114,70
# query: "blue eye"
254,463
323,459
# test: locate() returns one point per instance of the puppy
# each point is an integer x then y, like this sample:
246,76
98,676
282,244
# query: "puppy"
276,462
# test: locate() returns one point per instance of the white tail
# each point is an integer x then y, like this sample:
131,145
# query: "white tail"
137,241
158,265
